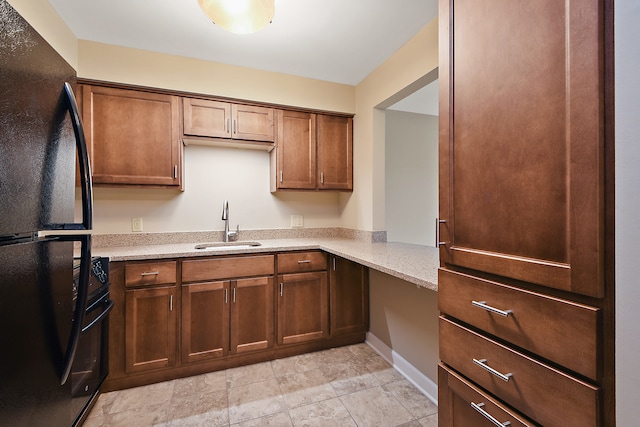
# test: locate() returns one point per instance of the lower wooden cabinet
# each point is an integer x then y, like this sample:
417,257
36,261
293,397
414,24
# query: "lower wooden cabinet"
349,288
205,321
461,404
151,328
175,318
226,317
303,309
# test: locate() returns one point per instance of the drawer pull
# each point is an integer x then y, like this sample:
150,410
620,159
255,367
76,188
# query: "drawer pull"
483,305
150,273
304,261
478,407
483,364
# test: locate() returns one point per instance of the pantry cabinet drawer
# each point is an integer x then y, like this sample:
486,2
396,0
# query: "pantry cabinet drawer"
150,273
544,394
559,330
299,262
198,270
461,404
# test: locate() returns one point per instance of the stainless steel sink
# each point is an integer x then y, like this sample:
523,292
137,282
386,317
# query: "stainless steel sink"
227,245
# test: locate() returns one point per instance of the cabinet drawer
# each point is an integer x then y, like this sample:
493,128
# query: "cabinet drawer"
197,270
556,329
546,395
150,273
461,404
298,262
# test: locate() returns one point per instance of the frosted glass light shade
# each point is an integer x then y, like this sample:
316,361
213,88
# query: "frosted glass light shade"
239,16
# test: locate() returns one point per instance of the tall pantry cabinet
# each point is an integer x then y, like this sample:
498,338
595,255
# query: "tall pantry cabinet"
525,227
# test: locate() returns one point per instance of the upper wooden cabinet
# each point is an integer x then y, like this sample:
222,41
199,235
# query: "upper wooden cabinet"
313,152
215,119
133,136
335,152
522,143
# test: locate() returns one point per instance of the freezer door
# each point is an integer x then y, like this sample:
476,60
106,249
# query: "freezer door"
37,143
36,308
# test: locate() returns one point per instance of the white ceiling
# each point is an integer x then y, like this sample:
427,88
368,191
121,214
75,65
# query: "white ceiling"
335,40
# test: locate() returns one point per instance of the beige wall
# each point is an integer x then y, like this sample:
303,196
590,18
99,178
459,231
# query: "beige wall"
411,177
405,318
43,17
413,66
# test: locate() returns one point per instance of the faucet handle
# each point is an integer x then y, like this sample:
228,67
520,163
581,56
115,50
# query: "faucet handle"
233,235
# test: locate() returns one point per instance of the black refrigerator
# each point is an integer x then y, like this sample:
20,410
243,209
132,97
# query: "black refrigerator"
41,141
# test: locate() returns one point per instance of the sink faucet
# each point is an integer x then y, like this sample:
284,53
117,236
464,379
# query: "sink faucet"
229,236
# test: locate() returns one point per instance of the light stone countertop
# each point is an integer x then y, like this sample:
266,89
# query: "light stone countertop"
416,264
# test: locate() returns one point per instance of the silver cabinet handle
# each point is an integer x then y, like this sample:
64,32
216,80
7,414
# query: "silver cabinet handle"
438,222
170,302
321,177
226,296
226,129
483,364
175,171
478,407
281,288
280,175
304,261
234,295
483,305
150,273
234,126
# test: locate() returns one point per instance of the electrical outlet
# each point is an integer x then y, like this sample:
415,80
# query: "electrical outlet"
136,224
297,221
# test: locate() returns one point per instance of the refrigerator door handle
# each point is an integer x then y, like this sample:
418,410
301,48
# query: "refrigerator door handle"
80,308
83,158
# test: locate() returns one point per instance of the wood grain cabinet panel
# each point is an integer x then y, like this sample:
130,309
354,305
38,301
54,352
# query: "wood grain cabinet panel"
216,268
252,314
349,301
461,404
335,152
300,262
522,142
205,321
541,392
150,273
133,136
217,119
294,157
151,329
303,311
535,322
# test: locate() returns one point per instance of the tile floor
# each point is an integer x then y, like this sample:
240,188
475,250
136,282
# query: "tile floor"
346,386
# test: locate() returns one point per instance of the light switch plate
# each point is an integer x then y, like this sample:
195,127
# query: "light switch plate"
297,221
136,224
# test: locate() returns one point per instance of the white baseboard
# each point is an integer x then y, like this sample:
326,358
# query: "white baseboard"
406,369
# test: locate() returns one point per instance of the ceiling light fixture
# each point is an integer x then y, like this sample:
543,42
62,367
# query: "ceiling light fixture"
239,16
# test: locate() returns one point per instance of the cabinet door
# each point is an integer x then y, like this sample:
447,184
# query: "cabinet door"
521,141
133,136
252,314
303,313
203,117
295,150
349,283
151,328
252,123
335,153
205,321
